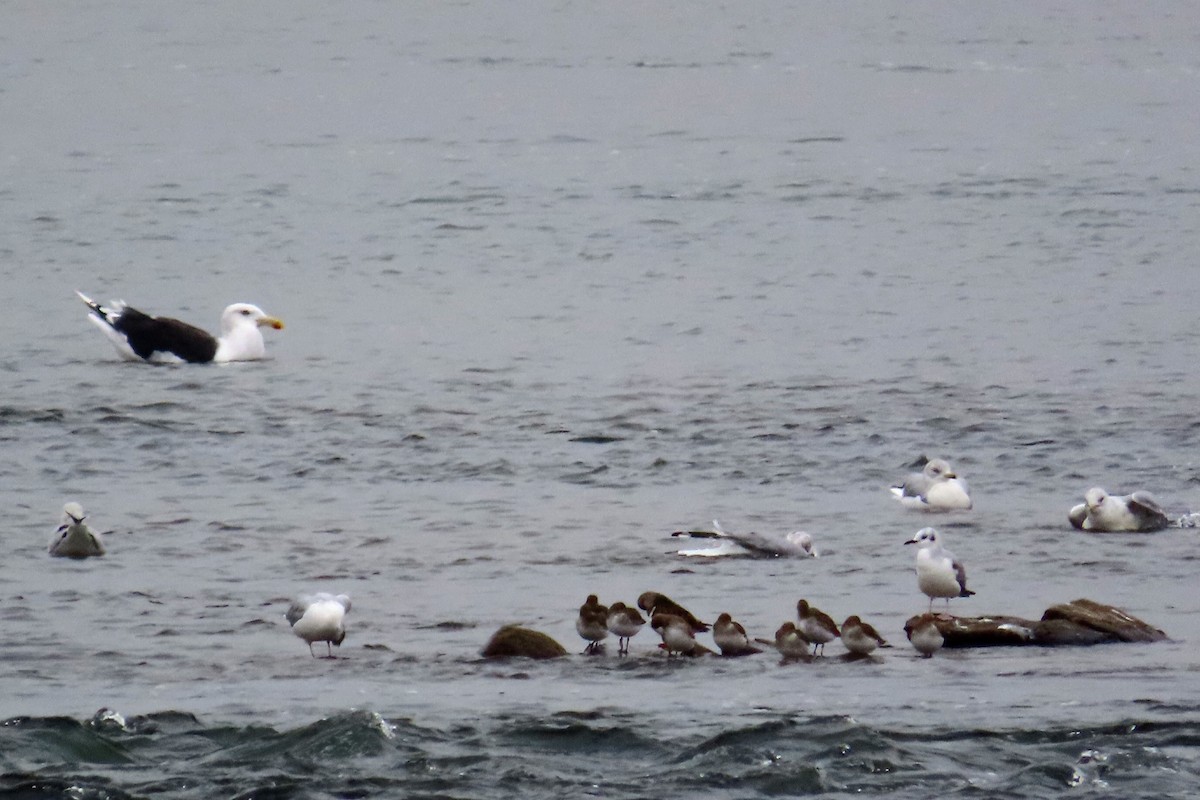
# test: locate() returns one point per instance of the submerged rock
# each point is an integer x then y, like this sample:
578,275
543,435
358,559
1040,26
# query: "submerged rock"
1080,622
513,641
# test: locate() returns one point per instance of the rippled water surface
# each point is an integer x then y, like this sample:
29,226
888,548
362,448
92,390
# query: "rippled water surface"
560,279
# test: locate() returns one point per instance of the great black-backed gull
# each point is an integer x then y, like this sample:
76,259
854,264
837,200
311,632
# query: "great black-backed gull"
141,337
1101,511
74,539
320,618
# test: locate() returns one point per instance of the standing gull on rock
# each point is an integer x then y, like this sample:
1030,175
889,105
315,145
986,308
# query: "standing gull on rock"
320,617
74,539
141,337
939,573
1101,511
935,488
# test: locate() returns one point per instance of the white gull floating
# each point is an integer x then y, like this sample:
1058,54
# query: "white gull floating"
935,488
1101,511
141,337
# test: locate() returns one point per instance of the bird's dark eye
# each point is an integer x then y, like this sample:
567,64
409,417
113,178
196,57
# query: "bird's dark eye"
245,312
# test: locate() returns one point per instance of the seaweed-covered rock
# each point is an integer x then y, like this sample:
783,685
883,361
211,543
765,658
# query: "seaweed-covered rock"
513,641
1105,619
1080,622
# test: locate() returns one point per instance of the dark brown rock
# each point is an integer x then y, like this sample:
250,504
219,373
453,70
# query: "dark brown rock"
1105,619
513,641
1080,622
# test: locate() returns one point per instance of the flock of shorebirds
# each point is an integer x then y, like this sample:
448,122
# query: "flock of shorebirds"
321,617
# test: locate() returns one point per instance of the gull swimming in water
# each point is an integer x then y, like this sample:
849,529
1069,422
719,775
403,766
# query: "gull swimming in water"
939,573
1101,511
935,488
320,617
141,337
796,544
74,539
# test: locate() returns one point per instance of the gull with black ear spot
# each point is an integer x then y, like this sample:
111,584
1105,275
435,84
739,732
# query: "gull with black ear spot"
939,573
320,617
74,539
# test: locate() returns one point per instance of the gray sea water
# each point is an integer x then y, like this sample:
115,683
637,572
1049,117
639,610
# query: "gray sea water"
561,278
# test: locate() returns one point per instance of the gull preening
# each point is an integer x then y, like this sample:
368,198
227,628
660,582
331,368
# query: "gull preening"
939,573
935,488
320,617
74,539
796,544
1101,511
141,337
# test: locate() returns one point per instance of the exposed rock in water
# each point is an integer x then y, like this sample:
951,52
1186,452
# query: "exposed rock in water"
513,641
1080,622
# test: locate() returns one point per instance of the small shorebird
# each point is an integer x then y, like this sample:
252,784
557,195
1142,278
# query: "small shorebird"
939,573
625,622
320,618
860,638
817,626
925,636
731,637
790,643
677,635
592,623
655,603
